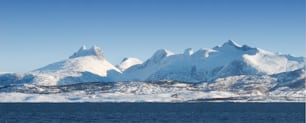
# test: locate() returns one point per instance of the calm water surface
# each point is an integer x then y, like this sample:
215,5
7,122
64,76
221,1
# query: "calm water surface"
152,112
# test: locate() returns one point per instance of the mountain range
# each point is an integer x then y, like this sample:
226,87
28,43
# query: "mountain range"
229,68
204,65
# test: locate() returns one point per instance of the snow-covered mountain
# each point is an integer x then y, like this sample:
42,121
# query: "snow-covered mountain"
204,65
128,62
141,72
229,72
228,59
286,86
85,65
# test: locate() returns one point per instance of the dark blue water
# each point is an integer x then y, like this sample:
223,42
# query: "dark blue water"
152,112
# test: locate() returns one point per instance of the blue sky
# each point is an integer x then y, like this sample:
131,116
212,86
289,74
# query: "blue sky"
34,33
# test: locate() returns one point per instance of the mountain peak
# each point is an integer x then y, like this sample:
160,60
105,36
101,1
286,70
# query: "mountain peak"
128,62
160,54
234,45
231,43
84,51
188,51
83,48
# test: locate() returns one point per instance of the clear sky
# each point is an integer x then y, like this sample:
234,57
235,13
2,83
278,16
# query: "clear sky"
34,33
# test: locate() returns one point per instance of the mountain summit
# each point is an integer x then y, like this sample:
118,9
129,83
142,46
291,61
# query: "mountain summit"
93,51
128,62
85,65
232,43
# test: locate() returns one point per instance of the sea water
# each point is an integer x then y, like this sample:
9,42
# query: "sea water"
200,112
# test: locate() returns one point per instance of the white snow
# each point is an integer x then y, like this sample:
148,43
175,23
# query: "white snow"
226,71
87,64
141,72
208,64
229,59
128,62
243,88
188,51
108,97
83,51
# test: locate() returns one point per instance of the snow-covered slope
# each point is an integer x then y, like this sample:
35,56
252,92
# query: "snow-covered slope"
86,65
228,59
230,72
141,72
287,86
128,62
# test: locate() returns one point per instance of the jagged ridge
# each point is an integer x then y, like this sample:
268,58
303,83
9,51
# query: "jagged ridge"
229,59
